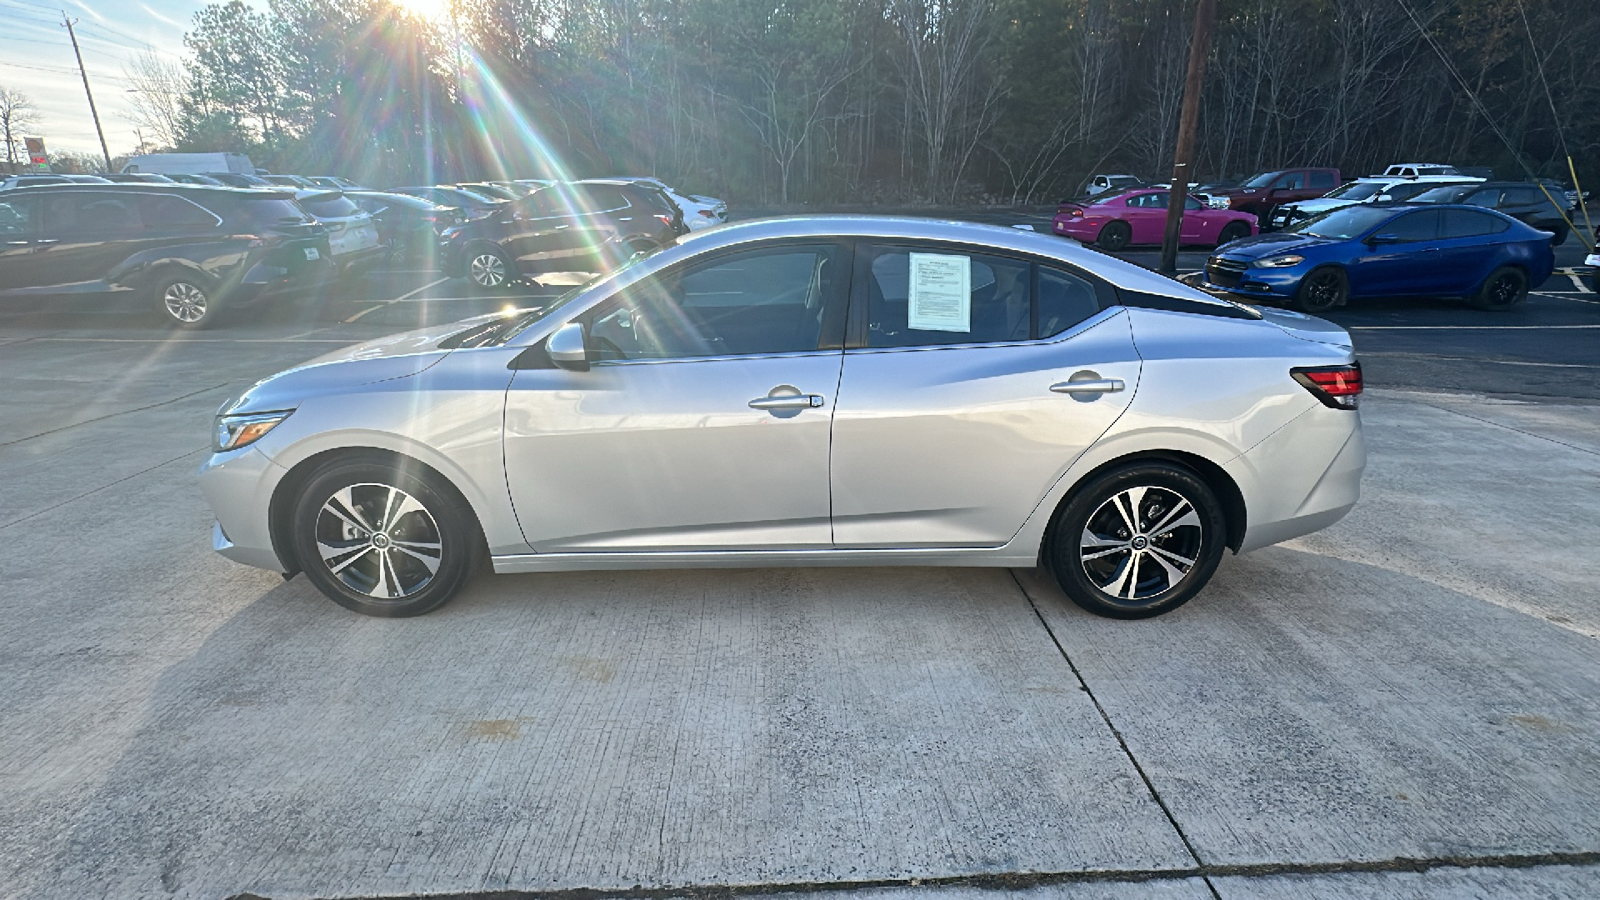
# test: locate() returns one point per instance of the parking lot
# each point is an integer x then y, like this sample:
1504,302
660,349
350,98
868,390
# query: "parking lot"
1403,705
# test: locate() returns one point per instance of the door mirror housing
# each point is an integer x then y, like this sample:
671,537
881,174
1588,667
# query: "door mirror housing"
1378,240
567,348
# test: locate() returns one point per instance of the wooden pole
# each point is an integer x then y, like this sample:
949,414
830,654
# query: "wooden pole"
1188,124
90,94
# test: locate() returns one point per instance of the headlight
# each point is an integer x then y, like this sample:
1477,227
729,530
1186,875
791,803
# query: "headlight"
1279,262
234,432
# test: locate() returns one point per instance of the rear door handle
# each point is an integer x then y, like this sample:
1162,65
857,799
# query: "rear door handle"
790,401
17,243
1099,386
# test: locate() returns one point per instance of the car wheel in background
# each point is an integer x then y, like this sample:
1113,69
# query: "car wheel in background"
1321,290
381,539
1233,231
1115,236
1560,235
1504,288
488,268
1137,541
182,301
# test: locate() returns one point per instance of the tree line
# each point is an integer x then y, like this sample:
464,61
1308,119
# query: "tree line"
899,101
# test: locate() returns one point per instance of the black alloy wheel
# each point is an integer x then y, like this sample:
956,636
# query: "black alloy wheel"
1321,290
383,540
1138,541
1115,235
1504,288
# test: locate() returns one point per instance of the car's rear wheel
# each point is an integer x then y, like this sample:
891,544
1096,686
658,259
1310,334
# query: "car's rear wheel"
1504,288
488,268
182,301
381,539
1233,231
1138,541
1115,236
1322,290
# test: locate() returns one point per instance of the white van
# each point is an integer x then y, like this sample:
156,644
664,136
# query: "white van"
190,163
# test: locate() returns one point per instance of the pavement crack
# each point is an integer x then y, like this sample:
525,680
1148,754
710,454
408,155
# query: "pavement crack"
1446,409
1121,741
120,412
36,514
1002,881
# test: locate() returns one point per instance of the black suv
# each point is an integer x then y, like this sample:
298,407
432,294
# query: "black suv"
184,251
574,227
1521,200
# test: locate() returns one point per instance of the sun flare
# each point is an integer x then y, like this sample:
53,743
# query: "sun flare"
430,10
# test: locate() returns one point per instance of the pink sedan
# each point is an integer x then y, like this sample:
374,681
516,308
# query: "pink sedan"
1140,217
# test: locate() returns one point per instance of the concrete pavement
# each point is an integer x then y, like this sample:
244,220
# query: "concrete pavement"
1402,706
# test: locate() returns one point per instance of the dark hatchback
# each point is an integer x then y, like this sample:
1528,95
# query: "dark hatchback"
183,252
573,227
409,228
1521,200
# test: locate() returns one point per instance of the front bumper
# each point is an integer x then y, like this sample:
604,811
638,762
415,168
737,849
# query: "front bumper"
1229,277
238,486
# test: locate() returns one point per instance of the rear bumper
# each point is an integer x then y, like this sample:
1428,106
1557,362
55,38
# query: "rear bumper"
1303,478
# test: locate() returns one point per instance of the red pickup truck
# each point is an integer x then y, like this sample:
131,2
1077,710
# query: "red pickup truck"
1260,193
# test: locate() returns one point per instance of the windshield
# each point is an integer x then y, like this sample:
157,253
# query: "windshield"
1258,181
1343,224
1357,190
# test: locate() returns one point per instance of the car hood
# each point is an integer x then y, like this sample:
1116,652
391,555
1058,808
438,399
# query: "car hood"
1263,245
1321,204
383,359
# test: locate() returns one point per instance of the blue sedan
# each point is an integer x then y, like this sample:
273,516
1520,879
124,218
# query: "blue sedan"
1486,258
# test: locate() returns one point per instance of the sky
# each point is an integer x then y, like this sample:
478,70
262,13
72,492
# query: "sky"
36,58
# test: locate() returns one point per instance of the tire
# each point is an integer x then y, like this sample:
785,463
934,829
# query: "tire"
382,540
1504,288
1114,236
1096,555
1233,231
488,268
1561,236
181,301
1321,290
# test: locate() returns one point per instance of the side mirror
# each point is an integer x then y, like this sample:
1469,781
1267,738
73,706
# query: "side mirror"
1381,239
566,348
1383,198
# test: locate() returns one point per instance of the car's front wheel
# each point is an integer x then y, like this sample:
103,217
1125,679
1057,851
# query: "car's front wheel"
1321,290
381,539
1138,541
1233,231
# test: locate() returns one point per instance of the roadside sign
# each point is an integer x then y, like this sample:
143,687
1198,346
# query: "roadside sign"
36,157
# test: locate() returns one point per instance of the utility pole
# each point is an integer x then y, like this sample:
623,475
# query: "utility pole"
90,94
1188,124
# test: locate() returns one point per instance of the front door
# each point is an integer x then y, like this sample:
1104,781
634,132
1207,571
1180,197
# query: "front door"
1403,266
20,267
955,419
704,422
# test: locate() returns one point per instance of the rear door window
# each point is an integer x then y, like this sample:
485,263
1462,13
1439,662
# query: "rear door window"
1523,196
163,211
92,212
1323,180
1460,223
1487,198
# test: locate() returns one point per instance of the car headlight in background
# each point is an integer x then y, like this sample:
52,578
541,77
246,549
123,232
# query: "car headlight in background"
1279,262
234,432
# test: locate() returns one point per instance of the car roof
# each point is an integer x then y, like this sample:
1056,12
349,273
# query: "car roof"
1122,274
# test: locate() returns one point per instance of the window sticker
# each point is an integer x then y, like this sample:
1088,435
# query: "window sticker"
940,295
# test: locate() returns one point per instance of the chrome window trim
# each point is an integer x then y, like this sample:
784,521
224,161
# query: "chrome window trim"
725,357
1075,330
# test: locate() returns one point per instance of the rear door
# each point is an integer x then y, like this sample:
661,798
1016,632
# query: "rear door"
87,235
1147,214
1465,257
954,417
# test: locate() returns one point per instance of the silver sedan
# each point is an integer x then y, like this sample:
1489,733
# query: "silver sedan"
842,391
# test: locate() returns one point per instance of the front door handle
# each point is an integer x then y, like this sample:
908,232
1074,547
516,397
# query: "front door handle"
43,241
17,243
787,401
1097,386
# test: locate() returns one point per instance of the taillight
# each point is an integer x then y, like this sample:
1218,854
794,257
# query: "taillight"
1338,387
665,220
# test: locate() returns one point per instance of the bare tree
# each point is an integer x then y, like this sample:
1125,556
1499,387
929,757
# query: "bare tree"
17,113
159,88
